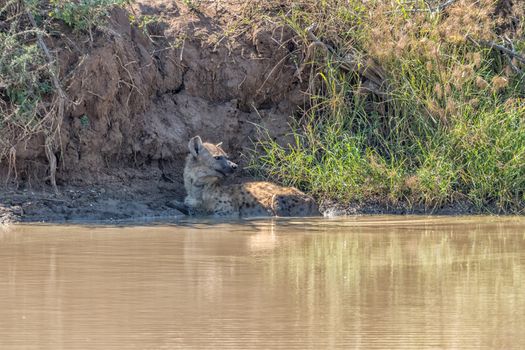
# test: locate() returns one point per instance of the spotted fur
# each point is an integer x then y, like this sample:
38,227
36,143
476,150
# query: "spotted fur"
208,165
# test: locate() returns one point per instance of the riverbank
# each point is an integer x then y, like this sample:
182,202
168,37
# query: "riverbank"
155,201
140,201
345,100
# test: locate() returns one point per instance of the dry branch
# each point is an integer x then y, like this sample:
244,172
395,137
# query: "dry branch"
490,44
444,5
370,70
511,60
56,120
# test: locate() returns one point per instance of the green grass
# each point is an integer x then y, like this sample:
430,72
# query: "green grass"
83,14
450,129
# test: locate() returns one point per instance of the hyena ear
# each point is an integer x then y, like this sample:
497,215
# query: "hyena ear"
195,146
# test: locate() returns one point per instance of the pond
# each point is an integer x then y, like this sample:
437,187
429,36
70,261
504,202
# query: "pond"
360,283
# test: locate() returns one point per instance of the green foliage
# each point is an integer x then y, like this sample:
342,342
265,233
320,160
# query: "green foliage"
83,14
142,22
25,79
192,4
84,121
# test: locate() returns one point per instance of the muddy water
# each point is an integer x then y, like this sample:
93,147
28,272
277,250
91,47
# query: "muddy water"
364,283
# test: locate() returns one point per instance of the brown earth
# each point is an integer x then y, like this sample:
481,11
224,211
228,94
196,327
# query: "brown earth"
136,96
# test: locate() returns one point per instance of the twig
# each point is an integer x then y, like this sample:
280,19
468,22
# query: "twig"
444,5
309,55
498,47
182,49
271,72
370,71
428,9
49,141
315,39
511,62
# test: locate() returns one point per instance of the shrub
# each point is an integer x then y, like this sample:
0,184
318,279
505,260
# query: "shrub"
27,94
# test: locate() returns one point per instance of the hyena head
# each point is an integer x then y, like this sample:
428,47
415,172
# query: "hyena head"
207,163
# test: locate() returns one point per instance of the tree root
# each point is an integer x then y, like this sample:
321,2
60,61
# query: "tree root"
53,132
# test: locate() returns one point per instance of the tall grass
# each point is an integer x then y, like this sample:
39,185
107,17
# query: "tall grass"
447,127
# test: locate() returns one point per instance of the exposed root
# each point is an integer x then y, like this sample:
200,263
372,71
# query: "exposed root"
11,166
310,54
52,160
53,132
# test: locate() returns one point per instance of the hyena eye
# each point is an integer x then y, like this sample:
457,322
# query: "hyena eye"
218,157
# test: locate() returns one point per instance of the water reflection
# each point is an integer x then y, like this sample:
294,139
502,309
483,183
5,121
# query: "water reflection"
385,282
452,286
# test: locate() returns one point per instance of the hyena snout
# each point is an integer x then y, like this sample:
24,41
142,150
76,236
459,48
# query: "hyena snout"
227,166
230,167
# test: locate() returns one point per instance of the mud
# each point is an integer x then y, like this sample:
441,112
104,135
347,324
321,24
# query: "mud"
107,203
150,201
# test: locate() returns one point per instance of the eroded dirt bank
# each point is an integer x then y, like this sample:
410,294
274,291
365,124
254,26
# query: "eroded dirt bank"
134,98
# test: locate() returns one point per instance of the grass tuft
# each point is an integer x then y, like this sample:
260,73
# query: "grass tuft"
446,126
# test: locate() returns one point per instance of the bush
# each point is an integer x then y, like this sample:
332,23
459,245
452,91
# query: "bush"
27,105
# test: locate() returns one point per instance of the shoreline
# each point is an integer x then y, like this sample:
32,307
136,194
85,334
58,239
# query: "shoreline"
117,204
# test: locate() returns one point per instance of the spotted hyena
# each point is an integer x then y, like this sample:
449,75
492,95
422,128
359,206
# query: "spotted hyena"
208,165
